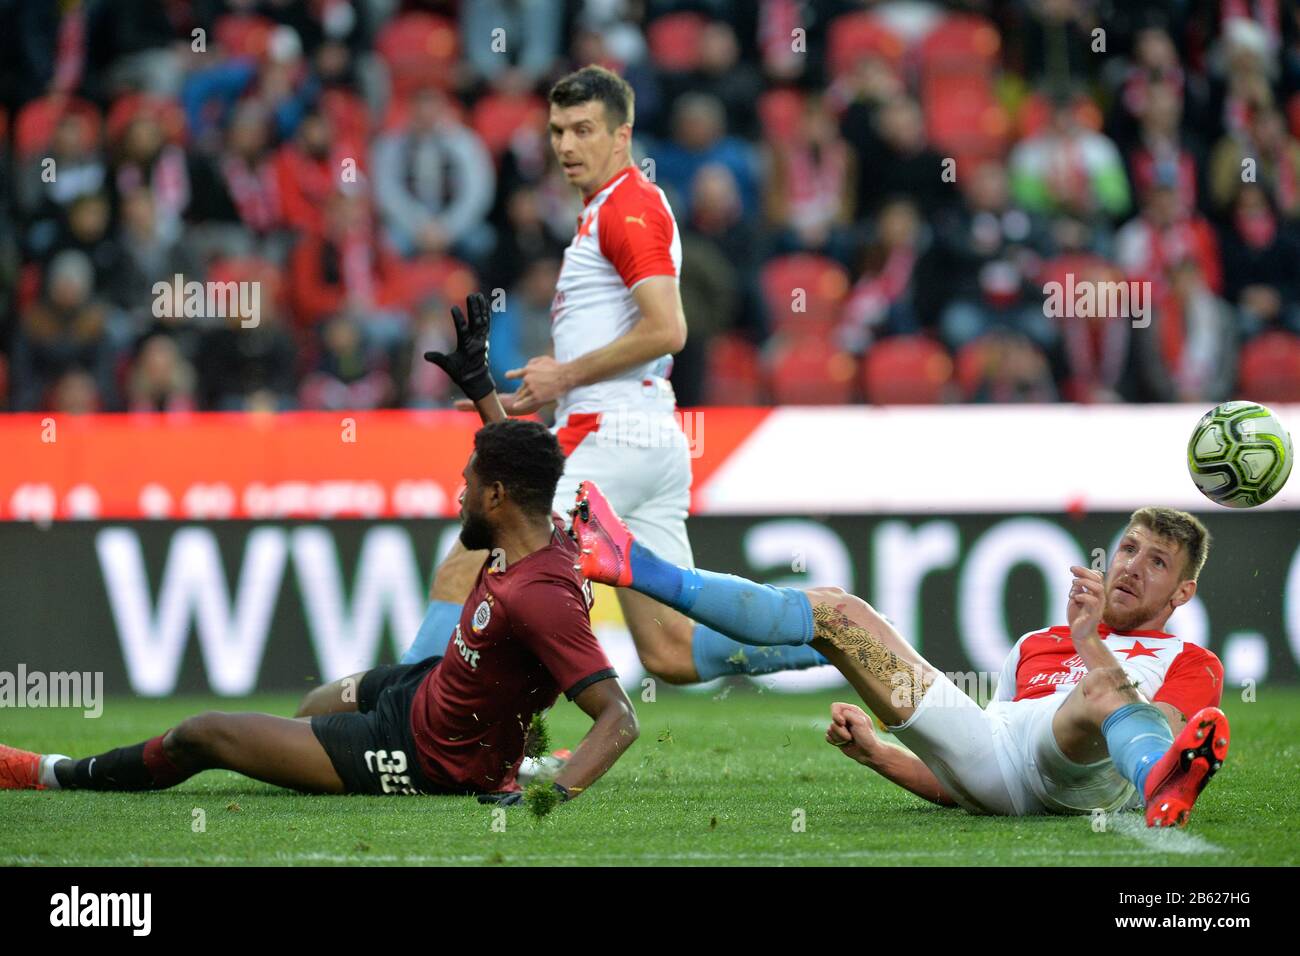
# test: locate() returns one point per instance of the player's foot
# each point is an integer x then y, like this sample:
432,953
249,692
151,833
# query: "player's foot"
19,769
603,540
1181,774
534,768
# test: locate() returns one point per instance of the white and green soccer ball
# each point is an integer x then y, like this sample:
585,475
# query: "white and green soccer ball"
1239,454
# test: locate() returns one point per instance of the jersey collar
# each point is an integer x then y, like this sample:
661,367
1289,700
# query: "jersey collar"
1105,631
606,184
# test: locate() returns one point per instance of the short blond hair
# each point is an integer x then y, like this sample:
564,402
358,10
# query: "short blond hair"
1179,526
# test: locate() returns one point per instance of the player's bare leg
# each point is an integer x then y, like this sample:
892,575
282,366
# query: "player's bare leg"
336,697
889,674
452,582
662,637
1106,716
279,750
456,575
886,671
1077,724
276,750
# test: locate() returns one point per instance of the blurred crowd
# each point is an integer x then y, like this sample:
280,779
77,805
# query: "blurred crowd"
872,197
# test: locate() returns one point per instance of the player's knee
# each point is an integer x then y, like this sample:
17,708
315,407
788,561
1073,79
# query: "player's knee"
671,663
1106,688
827,595
313,703
850,605
198,738
837,598
308,706
454,578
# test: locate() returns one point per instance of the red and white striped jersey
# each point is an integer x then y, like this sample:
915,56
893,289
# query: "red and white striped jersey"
1166,668
626,234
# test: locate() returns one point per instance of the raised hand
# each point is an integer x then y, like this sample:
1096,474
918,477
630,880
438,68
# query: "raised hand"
1087,602
468,365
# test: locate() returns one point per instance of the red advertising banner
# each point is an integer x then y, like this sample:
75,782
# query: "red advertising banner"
290,465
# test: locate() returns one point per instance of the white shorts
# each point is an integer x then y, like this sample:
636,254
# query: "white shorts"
1004,759
649,487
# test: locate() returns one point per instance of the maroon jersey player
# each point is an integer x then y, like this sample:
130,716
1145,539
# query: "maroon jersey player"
451,724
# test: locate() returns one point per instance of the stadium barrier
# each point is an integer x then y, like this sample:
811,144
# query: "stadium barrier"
746,461
232,553
233,607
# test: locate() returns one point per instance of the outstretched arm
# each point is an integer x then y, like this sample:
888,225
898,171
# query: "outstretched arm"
851,730
613,730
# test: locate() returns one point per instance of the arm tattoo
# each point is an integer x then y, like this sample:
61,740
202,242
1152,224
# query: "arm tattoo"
904,679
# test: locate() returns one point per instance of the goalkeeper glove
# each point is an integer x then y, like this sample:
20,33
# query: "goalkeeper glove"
468,365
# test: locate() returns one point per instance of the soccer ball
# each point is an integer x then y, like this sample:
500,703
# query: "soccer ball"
1239,454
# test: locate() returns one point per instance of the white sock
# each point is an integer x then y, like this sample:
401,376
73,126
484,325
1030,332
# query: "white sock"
48,779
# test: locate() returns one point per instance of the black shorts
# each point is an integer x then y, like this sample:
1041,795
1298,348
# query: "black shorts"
373,750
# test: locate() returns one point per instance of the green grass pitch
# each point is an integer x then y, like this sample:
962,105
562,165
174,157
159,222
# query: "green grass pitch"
714,779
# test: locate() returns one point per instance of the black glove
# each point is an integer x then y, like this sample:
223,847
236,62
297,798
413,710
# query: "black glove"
515,797
468,365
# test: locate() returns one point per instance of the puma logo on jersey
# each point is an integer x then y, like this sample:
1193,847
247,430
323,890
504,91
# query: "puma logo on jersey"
639,220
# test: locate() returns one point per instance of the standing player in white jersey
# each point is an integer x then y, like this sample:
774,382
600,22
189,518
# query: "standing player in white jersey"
616,321
1103,714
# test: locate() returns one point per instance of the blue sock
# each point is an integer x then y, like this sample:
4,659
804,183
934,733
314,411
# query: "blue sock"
435,631
1137,735
717,655
747,612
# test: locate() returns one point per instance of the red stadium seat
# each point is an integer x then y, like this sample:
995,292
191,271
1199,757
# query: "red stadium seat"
35,122
497,116
674,41
420,49
855,36
962,43
166,112
809,370
779,111
1270,368
907,370
243,34
444,276
803,291
735,375
962,115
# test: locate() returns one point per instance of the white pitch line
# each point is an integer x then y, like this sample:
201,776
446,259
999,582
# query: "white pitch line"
1163,839
880,857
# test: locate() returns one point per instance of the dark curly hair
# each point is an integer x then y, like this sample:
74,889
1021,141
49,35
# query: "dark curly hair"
525,457
597,83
